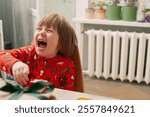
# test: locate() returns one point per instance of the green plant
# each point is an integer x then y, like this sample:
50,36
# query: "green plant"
113,2
99,5
147,12
130,2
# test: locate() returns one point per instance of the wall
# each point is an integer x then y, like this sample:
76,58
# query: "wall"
80,7
64,7
82,4
147,3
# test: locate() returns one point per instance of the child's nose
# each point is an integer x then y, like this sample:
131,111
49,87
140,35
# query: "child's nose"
43,33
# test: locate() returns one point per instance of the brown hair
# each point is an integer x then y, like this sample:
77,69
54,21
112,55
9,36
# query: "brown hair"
67,36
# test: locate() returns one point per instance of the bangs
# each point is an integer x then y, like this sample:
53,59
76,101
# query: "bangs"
50,21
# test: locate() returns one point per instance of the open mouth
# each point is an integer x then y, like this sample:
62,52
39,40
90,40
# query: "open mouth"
42,44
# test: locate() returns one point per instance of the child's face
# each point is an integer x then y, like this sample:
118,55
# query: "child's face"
46,41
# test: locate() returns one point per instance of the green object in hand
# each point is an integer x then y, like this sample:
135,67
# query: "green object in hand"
17,90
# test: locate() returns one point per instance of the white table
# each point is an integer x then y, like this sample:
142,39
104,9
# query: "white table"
71,95
60,94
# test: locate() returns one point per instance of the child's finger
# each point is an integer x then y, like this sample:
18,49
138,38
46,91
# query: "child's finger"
19,76
25,73
19,80
22,77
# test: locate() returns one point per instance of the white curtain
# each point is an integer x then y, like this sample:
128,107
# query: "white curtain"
22,22
17,22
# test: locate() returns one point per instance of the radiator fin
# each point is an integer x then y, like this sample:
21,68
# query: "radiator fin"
119,55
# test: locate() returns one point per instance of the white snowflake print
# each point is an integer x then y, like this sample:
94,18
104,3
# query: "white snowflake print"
45,62
41,72
28,62
4,68
72,77
56,77
18,50
7,53
60,63
29,49
35,57
16,55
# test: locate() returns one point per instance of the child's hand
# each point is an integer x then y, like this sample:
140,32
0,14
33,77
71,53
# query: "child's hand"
20,72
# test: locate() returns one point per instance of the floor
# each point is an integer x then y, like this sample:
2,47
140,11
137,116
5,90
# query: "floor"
116,89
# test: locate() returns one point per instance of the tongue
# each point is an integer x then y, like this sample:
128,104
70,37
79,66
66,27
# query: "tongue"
42,45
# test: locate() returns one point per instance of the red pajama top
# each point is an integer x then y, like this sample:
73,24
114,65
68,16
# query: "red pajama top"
57,70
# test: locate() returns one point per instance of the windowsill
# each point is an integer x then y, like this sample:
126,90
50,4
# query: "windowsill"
112,22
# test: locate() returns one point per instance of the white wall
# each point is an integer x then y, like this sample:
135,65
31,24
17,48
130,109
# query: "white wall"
64,7
82,4
147,3
80,7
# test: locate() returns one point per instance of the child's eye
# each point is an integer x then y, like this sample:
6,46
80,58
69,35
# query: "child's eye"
49,30
38,29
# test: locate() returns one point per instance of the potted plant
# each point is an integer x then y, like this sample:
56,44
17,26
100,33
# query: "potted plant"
147,14
89,12
129,11
140,12
113,10
99,10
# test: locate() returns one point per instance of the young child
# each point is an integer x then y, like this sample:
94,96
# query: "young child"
49,58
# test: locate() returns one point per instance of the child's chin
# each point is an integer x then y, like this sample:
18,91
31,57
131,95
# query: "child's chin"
40,53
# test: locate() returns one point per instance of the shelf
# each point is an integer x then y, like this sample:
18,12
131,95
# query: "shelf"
112,22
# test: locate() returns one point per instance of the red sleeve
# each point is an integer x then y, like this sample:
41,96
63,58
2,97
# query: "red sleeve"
9,57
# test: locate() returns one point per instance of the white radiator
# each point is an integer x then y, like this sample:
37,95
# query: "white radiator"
119,55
